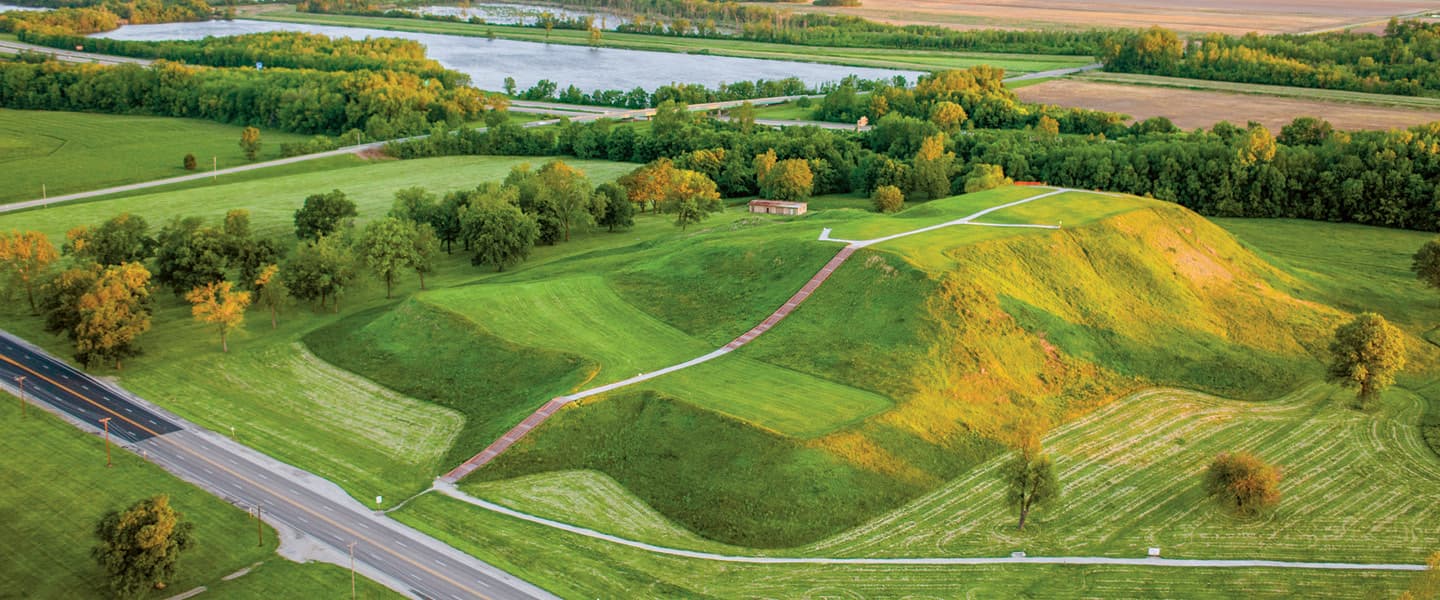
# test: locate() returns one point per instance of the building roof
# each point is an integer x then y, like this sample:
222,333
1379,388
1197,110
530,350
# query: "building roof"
778,203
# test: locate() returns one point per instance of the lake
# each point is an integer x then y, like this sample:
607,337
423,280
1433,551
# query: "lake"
489,62
5,7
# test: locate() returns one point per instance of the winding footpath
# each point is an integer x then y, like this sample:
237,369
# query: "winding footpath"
504,443
1018,559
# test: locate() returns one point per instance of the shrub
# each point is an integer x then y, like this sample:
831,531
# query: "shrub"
189,162
888,199
1243,482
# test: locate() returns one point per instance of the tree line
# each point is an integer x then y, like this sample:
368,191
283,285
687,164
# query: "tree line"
382,104
689,93
289,49
1307,171
1402,61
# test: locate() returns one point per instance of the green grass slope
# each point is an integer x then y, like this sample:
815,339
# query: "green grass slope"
75,152
57,488
972,331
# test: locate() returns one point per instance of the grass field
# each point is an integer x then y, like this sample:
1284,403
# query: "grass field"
575,567
1191,104
75,152
58,488
924,60
268,377
1358,486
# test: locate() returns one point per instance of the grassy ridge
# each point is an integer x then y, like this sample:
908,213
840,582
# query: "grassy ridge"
1358,486
58,488
489,381
73,152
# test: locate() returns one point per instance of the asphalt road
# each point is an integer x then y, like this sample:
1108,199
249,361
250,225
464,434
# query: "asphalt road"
69,55
393,554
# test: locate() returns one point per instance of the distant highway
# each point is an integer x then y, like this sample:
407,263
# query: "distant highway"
406,560
7,47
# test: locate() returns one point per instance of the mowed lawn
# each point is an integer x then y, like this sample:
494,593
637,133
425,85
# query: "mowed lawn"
585,316
572,566
74,152
1359,487
272,201
57,488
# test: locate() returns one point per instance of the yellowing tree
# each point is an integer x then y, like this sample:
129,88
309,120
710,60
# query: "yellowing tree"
139,548
25,256
271,293
763,164
112,314
948,115
220,305
648,184
790,180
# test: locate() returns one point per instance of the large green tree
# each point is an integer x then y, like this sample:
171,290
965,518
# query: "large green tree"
140,547
1031,482
124,238
790,180
427,250
189,255
1426,263
931,174
320,270
323,214
388,247
500,233
568,194
1366,354
619,211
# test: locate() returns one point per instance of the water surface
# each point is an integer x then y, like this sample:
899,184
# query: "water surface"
489,62
501,13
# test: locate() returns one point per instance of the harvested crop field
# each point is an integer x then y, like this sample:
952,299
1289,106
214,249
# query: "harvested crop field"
1189,109
1225,16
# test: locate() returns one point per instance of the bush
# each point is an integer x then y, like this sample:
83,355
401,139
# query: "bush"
984,177
189,162
888,199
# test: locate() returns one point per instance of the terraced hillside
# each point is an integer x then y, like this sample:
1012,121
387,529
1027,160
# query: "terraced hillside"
971,332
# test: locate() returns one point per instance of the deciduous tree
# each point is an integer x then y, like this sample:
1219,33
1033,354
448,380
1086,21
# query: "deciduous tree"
388,247
427,249
1426,263
140,547
1426,585
1032,482
271,292
124,238
189,255
24,258
112,315
1243,483
500,233
743,116
1367,353
250,142
948,115
189,162
568,194
218,304
323,214
931,175
619,211
763,163
790,180
320,270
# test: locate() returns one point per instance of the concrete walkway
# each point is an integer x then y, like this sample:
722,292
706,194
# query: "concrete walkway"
451,491
517,432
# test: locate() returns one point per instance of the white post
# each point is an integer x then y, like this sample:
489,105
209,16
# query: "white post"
214,168
43,194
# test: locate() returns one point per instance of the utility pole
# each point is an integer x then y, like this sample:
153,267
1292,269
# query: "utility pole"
259,528
20,381
352,570
214,168
106,422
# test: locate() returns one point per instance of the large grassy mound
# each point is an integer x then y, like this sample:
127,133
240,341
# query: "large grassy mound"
974,333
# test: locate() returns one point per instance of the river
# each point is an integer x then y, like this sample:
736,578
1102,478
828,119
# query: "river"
488,62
